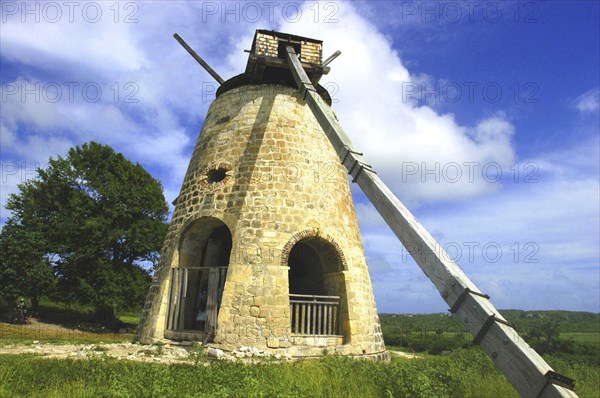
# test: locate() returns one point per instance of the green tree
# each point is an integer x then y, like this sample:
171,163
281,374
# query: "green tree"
25,268
546,331
102,218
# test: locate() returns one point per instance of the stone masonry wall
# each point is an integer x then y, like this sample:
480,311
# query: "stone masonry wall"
284,183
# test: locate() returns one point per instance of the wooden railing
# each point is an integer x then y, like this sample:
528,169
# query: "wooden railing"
183,298
314,315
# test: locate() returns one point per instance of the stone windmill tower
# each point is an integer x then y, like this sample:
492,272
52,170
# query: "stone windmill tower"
264,249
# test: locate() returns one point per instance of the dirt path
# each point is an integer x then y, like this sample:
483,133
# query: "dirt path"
162,354
135,352
404,354
35,330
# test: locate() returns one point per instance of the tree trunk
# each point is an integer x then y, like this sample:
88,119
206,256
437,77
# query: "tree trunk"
35,302
105,314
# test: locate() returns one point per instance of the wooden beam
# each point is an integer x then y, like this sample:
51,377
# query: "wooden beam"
199,59
257,73
524,368
332,57
281,63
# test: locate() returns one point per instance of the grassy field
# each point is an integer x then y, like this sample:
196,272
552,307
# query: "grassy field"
61,323
462,370
464,373
578,341
13,334
583,337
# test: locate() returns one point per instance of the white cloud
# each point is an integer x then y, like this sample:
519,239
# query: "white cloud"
401,139
7,135
588,102
143,60
547,233
90,45
151,102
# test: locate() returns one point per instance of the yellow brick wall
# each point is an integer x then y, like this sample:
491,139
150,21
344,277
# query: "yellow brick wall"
266,45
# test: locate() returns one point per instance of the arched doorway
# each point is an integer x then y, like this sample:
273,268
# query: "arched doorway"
198,281
316,288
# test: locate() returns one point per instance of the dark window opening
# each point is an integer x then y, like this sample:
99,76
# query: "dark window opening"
281,51
216,175
306,271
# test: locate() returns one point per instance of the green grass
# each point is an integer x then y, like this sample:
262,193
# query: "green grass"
464,373
17,334
132,319
63,324
409,323
587,376
582,337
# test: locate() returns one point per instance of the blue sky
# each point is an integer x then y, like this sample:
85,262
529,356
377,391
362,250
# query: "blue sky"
482,117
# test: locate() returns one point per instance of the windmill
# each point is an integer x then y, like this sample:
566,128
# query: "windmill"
318,294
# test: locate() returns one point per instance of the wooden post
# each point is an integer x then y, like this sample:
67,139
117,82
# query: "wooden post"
302,319
319,318
179,298
171,306
183,299
335,321
524,368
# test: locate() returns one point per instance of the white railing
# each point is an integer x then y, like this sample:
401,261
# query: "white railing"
314,315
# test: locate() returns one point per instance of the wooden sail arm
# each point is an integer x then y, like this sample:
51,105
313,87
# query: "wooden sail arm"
524,368
199,59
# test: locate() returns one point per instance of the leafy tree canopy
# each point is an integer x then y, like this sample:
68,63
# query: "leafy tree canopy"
24,267
100,219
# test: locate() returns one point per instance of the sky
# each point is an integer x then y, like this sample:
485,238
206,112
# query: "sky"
482,117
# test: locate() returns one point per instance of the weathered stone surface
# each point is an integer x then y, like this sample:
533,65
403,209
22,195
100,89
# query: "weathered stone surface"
283,184
214,353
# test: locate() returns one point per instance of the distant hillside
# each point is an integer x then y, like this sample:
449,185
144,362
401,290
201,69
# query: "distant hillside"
569,334
575,321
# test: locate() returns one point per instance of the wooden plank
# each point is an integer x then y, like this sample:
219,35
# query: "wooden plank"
314,319
280,63
312,296
319,318
523,367
212,299
297,309
326,319
178,305
175,316
309,320
185,284
330,329
320,302
335,320
170,306
184,271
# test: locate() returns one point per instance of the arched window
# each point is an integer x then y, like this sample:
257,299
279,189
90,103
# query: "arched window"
197,283
316,287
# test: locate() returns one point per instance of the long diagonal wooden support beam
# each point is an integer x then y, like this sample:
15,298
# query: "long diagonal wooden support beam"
529,374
